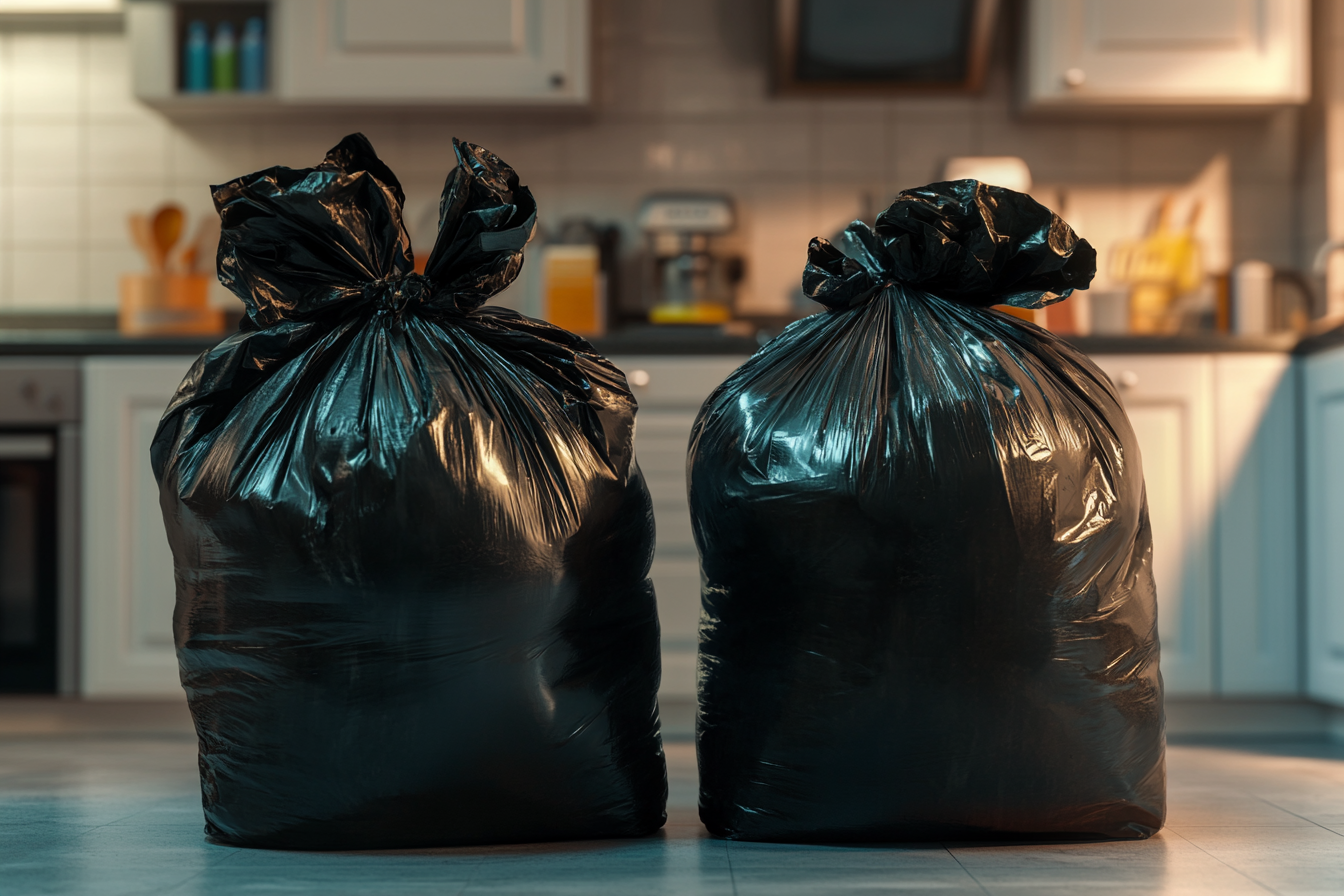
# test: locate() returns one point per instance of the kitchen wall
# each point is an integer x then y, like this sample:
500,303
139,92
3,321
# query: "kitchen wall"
682,103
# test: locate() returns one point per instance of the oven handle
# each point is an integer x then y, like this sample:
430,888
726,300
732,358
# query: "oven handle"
33,446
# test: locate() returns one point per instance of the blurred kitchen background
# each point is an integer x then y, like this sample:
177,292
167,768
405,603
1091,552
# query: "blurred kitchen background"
682,155
96,123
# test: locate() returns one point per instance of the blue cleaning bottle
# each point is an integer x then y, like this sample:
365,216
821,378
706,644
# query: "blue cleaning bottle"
196,58
252,56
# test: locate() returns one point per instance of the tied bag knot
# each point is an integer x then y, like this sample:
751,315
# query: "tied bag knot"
391,296
299,244
964,241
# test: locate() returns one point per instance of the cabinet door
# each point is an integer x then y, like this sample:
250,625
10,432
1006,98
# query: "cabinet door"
531,52
1169,400
1323,412
128,589
1167,52
670,391
1255,415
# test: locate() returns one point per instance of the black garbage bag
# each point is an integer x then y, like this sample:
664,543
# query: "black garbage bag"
411,540
928,605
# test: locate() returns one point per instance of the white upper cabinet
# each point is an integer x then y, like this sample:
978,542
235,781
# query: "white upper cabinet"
531,52
1143,53
384,52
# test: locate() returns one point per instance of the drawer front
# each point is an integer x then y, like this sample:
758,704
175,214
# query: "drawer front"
32,392
670,391
660,381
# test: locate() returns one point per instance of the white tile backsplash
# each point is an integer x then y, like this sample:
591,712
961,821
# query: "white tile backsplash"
5,77
108,68
211,153
852,145
4,274
47,152
46,280
683,103
46,216
923,141
109,207
106,268
129,153
46,75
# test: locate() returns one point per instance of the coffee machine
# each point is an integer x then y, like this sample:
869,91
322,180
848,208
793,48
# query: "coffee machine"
688,279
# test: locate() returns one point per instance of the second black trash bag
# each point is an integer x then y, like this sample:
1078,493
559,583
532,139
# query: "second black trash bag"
928,605
411,540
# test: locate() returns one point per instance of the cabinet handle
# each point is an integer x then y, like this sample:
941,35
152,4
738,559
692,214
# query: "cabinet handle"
1075,77
639,377
1127,379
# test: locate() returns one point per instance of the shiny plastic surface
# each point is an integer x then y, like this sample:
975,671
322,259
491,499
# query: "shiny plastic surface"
411,540
928,605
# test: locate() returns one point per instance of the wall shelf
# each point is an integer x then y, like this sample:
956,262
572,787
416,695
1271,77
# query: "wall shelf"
386,54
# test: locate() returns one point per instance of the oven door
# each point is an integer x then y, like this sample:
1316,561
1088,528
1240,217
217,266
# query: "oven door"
27,562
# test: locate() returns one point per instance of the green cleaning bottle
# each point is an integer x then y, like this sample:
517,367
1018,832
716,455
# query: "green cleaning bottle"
225,58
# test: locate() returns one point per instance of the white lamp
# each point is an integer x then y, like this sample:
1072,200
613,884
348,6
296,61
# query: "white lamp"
1000,171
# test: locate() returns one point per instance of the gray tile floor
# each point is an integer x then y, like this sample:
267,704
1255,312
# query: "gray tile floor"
97,808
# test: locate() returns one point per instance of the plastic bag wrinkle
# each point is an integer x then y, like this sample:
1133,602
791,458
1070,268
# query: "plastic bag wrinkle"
411,540
934,618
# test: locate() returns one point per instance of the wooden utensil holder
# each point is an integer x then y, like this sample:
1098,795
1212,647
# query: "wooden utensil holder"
167,305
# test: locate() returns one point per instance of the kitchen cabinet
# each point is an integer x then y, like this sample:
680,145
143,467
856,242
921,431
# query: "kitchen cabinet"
1218,435
1257,572
128,591
388,52
1089,54
1323,418
60,12
1218,438
1169,400
670,390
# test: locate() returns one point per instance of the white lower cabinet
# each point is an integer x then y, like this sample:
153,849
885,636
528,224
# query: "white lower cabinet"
127,568
1323,413
670,390
128,590
1258,609
1218,437
1169,399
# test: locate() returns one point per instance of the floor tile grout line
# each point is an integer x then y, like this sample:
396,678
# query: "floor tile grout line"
732,876
1258,883
949,851
471,877
1295,815
171,888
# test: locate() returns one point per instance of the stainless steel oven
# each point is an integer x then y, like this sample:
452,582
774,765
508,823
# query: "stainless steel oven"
39,508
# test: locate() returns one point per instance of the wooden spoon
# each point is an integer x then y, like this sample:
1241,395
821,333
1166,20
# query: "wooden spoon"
167,228
142,234
200,251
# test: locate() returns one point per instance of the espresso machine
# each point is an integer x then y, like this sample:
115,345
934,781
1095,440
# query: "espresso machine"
689,280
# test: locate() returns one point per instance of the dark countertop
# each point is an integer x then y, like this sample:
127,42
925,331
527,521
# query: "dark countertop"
645,341
1320,342
98,342
1184,343
652,340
